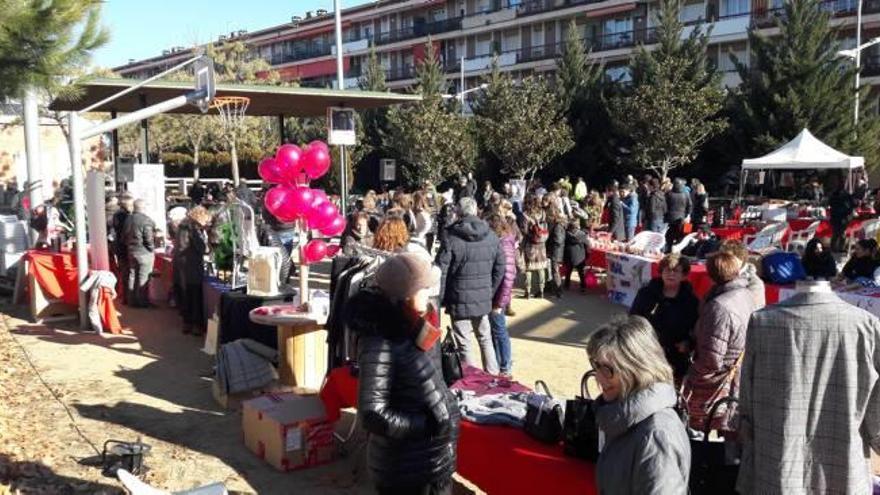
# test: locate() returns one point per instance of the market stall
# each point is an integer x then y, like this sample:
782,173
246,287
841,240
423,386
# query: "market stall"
498,459
627,273
52,279
803,153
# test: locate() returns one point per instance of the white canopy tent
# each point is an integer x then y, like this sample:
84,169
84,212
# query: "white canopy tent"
804,152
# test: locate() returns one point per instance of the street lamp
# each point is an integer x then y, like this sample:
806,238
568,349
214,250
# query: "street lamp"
460,95
856,55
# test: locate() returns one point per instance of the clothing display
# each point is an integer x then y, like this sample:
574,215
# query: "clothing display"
348,275
235,322
507,409
245,365
809,401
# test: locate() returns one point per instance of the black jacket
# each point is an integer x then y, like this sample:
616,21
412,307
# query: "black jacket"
402,399
189,253
700,208
118,222
678,204
672,319
575,247
821,266
656,208
615,218
556,242
472,265
139,234
860,268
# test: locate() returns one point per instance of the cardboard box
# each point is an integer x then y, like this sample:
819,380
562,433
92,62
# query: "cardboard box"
289,431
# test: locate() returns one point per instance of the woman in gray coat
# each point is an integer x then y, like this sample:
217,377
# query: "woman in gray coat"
646,449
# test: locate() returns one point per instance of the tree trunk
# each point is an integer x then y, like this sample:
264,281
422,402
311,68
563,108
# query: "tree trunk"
196,169
234,158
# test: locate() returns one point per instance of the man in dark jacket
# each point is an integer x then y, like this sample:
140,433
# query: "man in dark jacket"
615,215
656,208
403,400
120,250
841,204
139,240
575,255
678,207
472,266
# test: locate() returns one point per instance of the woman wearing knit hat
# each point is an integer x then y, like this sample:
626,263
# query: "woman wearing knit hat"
402,398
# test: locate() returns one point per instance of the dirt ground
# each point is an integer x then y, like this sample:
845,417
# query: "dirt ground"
153,382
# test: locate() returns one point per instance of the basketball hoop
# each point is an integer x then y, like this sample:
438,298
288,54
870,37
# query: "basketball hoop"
232,110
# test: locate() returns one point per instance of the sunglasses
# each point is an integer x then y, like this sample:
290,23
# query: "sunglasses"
603,369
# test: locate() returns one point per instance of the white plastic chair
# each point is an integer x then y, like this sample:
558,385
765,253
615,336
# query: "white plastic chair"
685,242
137,487
797,241
867,230
769,238
648,242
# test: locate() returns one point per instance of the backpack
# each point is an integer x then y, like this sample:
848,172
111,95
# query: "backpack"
538,233
783,268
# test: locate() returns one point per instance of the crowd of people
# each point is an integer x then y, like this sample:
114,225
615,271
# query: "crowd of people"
467,251
675,355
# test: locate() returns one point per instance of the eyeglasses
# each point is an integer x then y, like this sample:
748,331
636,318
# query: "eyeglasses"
604,369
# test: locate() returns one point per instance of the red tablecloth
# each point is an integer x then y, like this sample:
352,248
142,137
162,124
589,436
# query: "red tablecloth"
699,277
56,274
733,233
498,459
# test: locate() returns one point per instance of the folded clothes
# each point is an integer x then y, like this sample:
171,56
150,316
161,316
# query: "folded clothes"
507,408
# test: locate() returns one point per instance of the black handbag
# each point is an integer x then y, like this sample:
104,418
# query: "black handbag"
710,472
450,355
580,432
544,415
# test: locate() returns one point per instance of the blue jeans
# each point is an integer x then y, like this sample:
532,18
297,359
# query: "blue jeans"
501,340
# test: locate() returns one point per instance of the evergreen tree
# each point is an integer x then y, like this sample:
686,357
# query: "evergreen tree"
582,87
375,121
522,124
674,104
796,81
434,142
44,40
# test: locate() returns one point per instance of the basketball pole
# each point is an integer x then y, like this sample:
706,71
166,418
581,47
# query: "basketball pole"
340,84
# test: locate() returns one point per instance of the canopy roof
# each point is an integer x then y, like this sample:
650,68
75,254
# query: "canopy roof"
265,100
804,152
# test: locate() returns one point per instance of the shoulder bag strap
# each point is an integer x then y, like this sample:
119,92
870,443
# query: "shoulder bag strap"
541,384
585,392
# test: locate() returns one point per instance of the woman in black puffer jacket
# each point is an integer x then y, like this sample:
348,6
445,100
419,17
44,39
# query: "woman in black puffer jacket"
403,400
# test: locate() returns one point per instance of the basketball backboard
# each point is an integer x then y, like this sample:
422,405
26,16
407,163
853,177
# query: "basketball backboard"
204,80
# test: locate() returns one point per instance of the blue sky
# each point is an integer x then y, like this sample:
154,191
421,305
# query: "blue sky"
143,28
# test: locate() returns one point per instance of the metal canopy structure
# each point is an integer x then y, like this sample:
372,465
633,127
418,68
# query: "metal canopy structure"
265,100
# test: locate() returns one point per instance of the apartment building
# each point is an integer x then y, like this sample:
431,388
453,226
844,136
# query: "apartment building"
526,35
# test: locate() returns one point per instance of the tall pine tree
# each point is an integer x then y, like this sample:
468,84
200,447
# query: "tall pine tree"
44,40
674,105
581,85
434,142
796,81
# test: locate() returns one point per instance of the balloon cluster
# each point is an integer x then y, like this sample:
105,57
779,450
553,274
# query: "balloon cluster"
292,199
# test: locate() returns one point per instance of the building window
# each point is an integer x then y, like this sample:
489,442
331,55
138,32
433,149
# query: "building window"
537,35
484,47
734,7
620,74
693,12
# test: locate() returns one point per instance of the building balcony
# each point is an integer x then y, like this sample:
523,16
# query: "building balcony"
400,73
283,58
838,8
417,31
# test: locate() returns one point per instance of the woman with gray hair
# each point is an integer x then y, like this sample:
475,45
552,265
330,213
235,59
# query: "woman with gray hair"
646,449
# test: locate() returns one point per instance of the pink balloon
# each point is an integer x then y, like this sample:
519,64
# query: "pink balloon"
321,215
333,250
270,171
320,197
288,157
318,144
314,251
316,162
276,198
335,227
300,202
